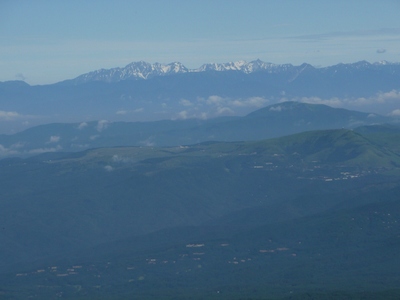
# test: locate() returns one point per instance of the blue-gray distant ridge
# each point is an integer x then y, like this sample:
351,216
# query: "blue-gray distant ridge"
145,70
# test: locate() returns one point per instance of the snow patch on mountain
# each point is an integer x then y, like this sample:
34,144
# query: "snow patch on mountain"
145,70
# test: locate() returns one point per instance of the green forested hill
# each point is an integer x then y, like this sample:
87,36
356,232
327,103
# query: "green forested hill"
268,122
308,212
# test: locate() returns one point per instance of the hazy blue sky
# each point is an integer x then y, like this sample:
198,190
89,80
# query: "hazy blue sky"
48,41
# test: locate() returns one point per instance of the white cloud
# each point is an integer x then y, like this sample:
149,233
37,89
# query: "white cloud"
395,113
54,139
225,111
379,98
8,115
359,101
94,137
203,116
354,34
334,102
183,114
119,159
44,150
7,151
276,108
185,102
121,112
82,125
388,96
147,143
226,105
108,168
213,106
125,112
250,102
216,100
101,125
17,145
80,146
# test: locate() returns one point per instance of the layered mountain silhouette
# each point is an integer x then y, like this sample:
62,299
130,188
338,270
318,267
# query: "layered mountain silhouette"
268,122
174,92
160,182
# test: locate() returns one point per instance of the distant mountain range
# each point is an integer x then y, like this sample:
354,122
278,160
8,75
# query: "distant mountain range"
268,122
159,182
148,92
145,70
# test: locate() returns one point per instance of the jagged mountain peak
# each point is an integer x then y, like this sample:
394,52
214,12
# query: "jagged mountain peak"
134,70
243,66
144,70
